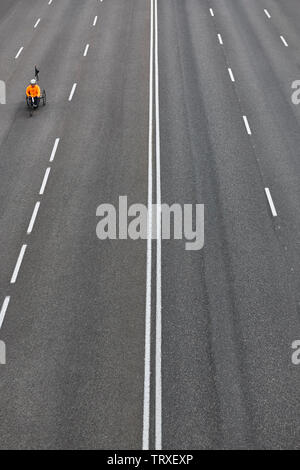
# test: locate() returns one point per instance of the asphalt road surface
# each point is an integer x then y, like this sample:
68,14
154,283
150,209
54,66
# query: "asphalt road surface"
131,344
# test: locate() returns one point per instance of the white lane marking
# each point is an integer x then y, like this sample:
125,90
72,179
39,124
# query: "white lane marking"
220,39
271,203
284,41
247,125
33,217
54,149
86,50
50,1
72,91
37,23
267,13
147,372
95,20
42,190
231,74
158,377
19,52
212,12
18,265
3,310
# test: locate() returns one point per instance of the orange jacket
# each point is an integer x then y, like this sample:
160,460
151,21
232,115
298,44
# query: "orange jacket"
33,91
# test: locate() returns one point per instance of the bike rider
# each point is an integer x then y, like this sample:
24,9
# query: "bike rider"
33,91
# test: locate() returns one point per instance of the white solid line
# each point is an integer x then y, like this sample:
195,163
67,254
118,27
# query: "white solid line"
231,74
19,52
247,125
158,377
45,181
95,20
267,13
147,372
3,310
212,12
86,50
284,41
271,203
18,265
33,217
37,23
72,91
54,149
220,39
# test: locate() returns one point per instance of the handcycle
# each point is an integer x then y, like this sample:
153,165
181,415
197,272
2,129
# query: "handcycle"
33,105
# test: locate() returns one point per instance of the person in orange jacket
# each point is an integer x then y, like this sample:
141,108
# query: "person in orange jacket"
34,91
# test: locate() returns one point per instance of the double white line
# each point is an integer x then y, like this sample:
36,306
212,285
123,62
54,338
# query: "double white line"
153,91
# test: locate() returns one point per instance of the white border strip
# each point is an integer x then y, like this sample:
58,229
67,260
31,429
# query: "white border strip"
271,203
247,125
53,153
33,217
158,375
72,91
47,172
231,74
3,310
19,52
146,411
18,265
86,50
37,23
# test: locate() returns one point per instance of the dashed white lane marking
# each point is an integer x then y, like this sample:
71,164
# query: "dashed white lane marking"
19,52
72,91
86,50
147,359
158,340
42,190
18,265
54,150
220,39
37,23
267,13
50,1
247,125
3,310
212,12
95,20
231,74
271,203
284,41
33,218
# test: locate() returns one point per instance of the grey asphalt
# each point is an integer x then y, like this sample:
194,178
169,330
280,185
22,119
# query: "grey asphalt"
75,326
